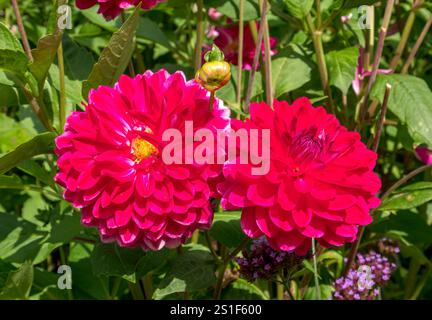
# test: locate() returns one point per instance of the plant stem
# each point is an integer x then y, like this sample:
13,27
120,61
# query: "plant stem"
200,35
212,100
315,266
371,39
240,53
404,179
267,56
62,111
115,287
417,46
222,268
136,291
404,39
318,9
280,288
422,282
377,60
209,244
21,29
148,286
320,56
411,277
256,59
380,122
37,109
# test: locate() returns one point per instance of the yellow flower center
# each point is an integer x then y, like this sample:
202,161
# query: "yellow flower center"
143,149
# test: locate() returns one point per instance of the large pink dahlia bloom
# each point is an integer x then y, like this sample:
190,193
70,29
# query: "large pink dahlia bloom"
320,184
112,8
228,38
111,167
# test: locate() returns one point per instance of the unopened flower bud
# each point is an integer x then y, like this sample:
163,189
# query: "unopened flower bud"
215,73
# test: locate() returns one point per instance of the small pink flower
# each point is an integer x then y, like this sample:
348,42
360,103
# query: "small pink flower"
345,19
320,185
424,154
112,8
214,14
228,40
111,167
361,73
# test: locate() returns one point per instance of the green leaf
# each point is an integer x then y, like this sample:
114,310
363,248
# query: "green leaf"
11,182
32,168
358,3
12,56
18,284
115,57
43,56
147,29
299,8
410,100
40,144
291,69
111,260
192,270
243,290
342,65
152,260
409,197
230,8
226,228
12,133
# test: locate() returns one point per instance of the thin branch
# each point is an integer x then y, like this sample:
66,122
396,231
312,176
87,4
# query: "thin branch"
256,59
377,60
267,59
200,35
417,46
380,122
21,30
240,53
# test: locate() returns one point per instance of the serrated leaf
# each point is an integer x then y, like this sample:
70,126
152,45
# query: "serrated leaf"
410,100
115,57
40,144
342,65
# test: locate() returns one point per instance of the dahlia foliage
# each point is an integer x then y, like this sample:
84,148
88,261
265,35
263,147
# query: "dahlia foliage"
170,149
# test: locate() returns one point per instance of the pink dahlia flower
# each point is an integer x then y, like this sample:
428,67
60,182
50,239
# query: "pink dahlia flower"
111,167
112,8
227,40
320,184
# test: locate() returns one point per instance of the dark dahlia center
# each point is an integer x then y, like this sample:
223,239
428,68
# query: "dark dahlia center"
308,146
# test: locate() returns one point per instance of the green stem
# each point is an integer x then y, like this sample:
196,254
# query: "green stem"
315,266
212,99
222,268
371,39
212,250
267,55
195,237
21,29
422,282
147,282
404,39
200,35
280,288
318,9
410,282
320,56
115,287
62,111
240,53
136,291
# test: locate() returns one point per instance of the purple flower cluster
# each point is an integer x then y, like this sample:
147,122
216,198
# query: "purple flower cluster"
263,262
380,266
363,282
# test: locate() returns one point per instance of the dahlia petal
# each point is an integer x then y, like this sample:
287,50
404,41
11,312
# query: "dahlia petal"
281,218
264,223
302,218
248,223
357,215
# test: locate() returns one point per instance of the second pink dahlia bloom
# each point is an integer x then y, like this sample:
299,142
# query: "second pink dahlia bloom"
112,8
320,185
111,167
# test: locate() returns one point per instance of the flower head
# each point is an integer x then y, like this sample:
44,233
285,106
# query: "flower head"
320,182
112,8
111,166
228,38
263,262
